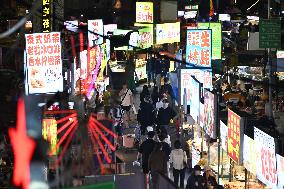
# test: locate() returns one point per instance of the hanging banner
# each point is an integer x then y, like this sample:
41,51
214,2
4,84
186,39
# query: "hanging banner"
235,136
145,37
280,171
216,37
224,136
97,27
144,12
209,114
194,99
46,16
249,154
49,133
44,64
198,48
266,170
167,33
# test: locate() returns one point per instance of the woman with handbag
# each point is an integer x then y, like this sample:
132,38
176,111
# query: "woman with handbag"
178,158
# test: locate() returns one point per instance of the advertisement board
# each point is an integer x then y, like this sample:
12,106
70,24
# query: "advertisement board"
198,47
266,170
209,114
145,37
203,76
144,12
280,171
235,136
49,133
194,99
140,69
46,16
216,37
44,64
249,154
97,27
224,136
167,33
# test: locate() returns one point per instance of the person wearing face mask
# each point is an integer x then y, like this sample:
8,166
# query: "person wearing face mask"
195,180
165,114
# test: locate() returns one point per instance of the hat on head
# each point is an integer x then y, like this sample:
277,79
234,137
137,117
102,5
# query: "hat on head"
197,168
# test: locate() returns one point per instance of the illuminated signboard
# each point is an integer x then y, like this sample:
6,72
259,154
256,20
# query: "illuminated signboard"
249,154
280,54
224,136
44,65
49,132
280,170
144,12
97,27
203,76
168,33
235,130
46,15
198,47
216,38
145,37
266,170
108,28
194,100
140,69
209,114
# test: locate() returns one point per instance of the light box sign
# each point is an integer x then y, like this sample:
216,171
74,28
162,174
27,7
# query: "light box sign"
168,33
145,37
266,170
235,136
224,136
249,154
46,16
280,171
198,47
44,64
209,114
49,133
216,37
144,12
194,100
280,54
203,76
97,27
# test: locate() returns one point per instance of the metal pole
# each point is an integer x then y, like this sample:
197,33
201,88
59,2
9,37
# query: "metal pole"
270,113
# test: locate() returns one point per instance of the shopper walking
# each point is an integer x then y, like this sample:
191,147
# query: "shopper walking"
126,97
157,164
168,90
178,159
165,115
146,114
195,180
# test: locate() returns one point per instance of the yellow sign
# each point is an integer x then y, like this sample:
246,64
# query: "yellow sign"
49,132
144,12
168,33
46,15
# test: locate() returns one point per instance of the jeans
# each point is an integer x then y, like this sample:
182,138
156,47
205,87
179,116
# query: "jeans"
179,175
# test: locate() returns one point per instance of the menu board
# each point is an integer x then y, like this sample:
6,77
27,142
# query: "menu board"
249,154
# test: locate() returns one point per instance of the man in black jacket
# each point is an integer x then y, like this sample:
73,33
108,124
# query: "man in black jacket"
165,114
195,180
146,114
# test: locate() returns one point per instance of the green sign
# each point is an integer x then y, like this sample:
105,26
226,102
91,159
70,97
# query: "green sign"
145,36
270,33
107,185
216,28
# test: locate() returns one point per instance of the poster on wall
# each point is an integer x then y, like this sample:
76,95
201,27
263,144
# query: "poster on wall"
44,64
224,136
198,48
216,37
194,99
97,27
145,37
266,170
209,114
249,154
144,12
167,33
235,136
280,171
49,133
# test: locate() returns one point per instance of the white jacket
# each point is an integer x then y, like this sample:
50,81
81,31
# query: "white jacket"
178,158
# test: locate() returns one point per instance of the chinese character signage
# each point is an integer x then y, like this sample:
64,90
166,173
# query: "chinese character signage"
46,15
198,47
280,171
224,136
144,12
44,65
203,76
168,33
235,130
216,38
145,37
95,27
249,154
209,114
266,170
49,132
194,99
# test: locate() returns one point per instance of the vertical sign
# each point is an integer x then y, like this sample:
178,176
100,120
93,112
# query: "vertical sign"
194,100
209,114
265,158
46,15
249,154
198,47
144,12
95,32
44,63
234,136
216,38
49,132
